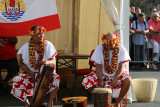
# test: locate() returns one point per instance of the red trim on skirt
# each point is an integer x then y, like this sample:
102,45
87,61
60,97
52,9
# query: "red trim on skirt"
23,85
91,80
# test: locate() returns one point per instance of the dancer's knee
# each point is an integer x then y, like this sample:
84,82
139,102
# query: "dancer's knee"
127,82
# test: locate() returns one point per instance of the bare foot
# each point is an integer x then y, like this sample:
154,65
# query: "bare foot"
50,105
117,105
26,103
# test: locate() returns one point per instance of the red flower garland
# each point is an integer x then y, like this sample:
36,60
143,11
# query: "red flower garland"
32,58
115,41
111,69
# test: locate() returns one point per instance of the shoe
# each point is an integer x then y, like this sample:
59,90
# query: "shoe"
44,105
154,66
150,65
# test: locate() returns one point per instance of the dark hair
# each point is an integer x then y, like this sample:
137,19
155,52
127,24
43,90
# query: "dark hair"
141,14
34,27
153,7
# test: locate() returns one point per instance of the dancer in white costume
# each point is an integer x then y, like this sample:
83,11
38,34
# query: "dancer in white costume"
110,59
23,84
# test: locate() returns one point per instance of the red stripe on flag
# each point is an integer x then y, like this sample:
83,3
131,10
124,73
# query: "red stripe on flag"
21,29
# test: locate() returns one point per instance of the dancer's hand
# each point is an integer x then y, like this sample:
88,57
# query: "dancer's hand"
101,84
114,83
43,61
32,75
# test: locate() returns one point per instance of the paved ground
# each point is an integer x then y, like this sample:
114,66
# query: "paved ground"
9,101
147,74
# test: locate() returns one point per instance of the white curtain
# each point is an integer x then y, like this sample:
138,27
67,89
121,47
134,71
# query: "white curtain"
113,14
119,19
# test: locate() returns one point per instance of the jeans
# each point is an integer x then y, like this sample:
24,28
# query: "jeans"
139,54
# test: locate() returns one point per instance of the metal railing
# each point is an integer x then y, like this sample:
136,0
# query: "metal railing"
147,50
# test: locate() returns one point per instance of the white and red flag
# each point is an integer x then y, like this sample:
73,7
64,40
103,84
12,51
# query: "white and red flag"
18,16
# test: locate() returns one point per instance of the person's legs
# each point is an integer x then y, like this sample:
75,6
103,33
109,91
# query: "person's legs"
26,103
142,52
51,97
137,57
54,84
124,89
131,50
2,82
22,87
155,52
12,67
149,51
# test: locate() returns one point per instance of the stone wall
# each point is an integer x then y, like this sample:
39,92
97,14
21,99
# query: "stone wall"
145,5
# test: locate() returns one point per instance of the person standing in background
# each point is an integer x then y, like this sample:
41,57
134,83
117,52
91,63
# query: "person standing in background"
8,60
140,27
153,9
132,14
154,40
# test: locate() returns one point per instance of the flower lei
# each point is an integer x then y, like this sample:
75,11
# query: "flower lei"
32,58
105,41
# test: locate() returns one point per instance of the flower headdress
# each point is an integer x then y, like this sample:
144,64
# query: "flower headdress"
110,41
37,31
110,69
